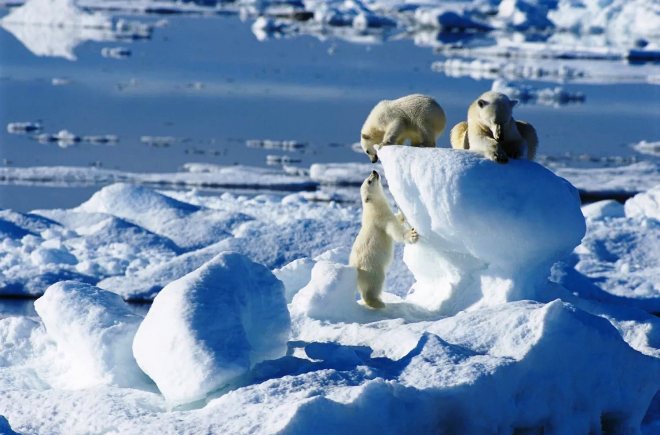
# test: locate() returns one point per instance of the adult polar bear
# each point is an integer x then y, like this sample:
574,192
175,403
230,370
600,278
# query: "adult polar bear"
416,118
372,250
491,130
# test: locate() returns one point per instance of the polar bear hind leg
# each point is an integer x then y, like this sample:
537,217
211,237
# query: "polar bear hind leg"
370,284
458,136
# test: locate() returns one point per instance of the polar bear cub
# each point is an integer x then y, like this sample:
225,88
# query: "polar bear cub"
416,118
491,130
372,250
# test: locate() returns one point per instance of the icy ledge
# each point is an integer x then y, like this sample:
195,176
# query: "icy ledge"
489,233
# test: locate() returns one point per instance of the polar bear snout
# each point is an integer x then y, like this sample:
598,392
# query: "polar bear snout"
375,174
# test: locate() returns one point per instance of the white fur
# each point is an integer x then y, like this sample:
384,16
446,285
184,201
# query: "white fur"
373,247
415,118
491,130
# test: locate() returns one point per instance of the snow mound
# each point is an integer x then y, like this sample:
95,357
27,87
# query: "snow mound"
93,329
488,232
330,294
646,204
189,226
295,275
211,326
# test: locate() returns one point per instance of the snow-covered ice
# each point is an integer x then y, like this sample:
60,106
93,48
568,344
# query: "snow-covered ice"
211,326
515,351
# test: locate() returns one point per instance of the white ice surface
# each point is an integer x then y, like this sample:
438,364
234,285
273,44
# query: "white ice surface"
211,326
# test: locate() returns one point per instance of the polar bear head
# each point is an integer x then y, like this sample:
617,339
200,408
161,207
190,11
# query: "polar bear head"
495,112
371,189
369,147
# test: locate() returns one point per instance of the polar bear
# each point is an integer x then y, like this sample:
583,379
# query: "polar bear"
372,250
491,130
417,118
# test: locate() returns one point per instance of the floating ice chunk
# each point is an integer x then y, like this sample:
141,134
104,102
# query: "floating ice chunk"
288,145
60,81
647,147
488,232
644,205
295,276
93,329
159,141
556,96
212,325
272,159
331,294
23,127
116,52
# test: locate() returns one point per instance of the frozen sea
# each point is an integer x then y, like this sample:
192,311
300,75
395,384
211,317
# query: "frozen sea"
189,153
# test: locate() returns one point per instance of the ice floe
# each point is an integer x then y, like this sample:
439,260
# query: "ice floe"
57,27
219,341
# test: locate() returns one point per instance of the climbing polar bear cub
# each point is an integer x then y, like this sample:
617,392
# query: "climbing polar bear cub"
417,118
491,130
373,247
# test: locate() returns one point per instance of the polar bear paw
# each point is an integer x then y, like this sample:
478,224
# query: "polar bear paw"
412,236
499,155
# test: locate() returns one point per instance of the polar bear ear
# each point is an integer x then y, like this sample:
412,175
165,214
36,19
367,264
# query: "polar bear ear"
482,103
514,102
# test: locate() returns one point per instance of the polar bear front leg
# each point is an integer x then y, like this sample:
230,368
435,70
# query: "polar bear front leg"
395,229
428,139
393,132
493,150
